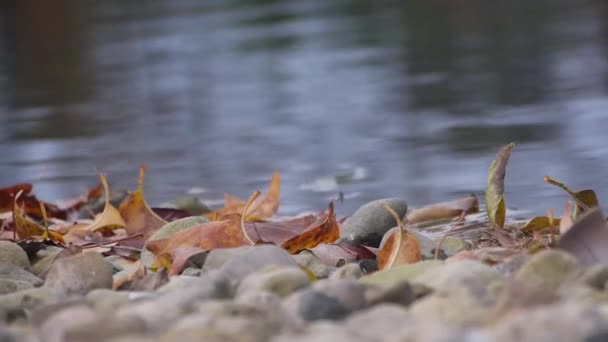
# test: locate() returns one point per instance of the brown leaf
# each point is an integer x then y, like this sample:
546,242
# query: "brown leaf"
587,238
279,231
137,215
205,237
443,210
29,203
400,248
495,201
7,195
263,208
324,230
332,254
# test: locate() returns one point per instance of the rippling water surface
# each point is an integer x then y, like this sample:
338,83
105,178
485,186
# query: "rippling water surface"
371,98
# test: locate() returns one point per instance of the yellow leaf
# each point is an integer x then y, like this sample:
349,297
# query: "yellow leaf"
110,218
495,202
24,227
539,223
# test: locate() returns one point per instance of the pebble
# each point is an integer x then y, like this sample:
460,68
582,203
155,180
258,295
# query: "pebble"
281,281
41,263
308,260
549,269
565,321
311,305
370,222
14,272
80,274
11,253
29,299
10,286
242,261
348,271
401,273
348,292
230,321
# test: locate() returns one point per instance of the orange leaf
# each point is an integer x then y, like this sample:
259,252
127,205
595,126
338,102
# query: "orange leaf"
263,208
137,215
326,229
400,248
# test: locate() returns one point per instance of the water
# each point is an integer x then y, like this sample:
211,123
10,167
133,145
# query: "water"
371,98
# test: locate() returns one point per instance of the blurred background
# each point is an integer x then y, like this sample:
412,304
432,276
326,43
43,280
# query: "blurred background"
371,98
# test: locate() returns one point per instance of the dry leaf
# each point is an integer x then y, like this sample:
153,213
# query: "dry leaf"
443,210
495,201
400,248
138,216
25,228
29,203
324,230
204,237
539,223
263,208
279,231
110,218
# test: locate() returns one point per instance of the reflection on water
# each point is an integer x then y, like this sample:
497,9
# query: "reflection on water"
371,98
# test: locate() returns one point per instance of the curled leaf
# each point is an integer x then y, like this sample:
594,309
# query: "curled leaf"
247,205
110,218
400,248
495,201
585,199
25,228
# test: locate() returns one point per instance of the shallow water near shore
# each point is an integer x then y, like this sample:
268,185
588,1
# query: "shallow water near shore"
371,100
